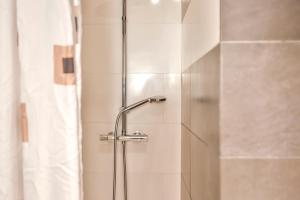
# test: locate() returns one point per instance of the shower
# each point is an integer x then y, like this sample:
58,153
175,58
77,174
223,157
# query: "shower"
155,99
122,115
136,136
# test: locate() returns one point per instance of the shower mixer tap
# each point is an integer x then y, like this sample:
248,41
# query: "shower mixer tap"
136,136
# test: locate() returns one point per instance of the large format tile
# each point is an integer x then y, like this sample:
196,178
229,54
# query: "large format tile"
248,179
98,155
149,186
186,98
161,154
101,49
153,11
293,179
144,157
138,11
102,11
292,143
154,48
103,97
205,75
141,86
98,185
260,20
172,90
199,169
186,157
237,179
185,195
260,100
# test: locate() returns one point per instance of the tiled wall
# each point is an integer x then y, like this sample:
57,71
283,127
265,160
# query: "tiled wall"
200,100
260,112
200,128
258,109
154,67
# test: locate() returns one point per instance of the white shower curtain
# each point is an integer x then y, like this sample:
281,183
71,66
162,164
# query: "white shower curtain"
40,89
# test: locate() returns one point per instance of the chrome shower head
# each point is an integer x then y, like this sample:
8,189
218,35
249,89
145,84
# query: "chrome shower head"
155,99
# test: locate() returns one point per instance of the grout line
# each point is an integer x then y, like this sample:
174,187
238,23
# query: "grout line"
186,188
183,15
259,158
221,89
202,56
261,41
134,123
96,171
133,73
194,134
131,23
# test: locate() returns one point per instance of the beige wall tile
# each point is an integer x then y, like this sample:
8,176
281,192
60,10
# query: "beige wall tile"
213,174
154,186
260,179
161,154
141,86
185,195
186,98
172,90
260,98
293,143
260,20
186,158
145,85
293,179
205,75
103,97
151,166
237,179
199,169
101,53
99,186
154,11
154,48
200,104
102,11
98,156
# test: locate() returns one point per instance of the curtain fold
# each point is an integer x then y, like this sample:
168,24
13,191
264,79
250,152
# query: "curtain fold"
40,90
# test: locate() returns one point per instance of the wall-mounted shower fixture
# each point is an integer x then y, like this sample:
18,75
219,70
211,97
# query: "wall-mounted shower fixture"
136,136
123,113
155,99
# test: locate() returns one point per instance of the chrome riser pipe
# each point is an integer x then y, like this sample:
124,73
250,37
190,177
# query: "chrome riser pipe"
124,94
124,104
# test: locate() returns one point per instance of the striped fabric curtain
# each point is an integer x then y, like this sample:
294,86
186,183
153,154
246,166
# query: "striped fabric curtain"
40,90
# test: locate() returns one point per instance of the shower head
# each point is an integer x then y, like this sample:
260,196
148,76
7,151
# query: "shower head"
155,99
